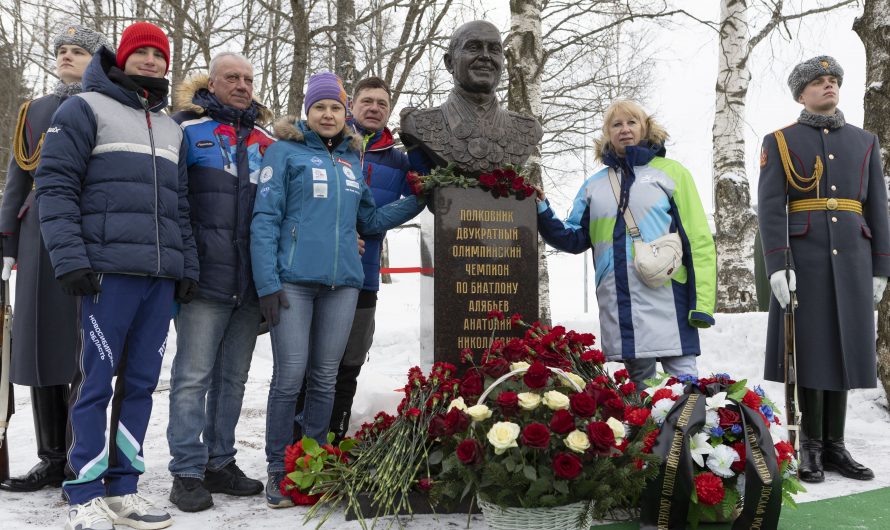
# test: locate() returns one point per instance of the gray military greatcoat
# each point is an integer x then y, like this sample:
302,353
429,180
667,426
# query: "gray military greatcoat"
835,253
44,326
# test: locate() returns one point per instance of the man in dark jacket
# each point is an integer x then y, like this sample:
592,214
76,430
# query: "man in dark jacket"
216,332
43,361
384,168
112,194
836,237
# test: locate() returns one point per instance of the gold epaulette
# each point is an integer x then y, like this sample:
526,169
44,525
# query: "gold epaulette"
26,161
807,183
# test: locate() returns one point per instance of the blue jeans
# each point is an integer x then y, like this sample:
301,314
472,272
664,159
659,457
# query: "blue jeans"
214,346
309,340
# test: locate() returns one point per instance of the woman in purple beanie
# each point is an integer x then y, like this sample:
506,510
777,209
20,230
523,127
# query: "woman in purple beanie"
310,207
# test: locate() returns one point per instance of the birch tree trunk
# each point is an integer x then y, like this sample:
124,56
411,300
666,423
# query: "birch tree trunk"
733,216
873,28
525,62
300,28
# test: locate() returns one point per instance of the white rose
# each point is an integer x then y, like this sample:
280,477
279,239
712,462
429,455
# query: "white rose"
521,365
458,404
617,429
479,412
556,400
502,436
528,400
577,441
573,378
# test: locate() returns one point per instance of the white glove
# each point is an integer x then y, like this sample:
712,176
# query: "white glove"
781,287
878,282
9,262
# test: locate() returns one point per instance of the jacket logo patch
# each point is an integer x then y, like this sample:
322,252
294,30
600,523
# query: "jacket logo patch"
349,174
320,190
319,173
266,174
344,162
53,130
315,160
204,143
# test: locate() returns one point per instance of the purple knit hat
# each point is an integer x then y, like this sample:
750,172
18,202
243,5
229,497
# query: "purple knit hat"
324,85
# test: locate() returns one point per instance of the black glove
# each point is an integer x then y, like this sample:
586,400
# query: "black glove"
269,306
186,289
82,282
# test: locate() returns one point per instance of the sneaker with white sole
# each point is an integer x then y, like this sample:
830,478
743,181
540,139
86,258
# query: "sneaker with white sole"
93,515
136,511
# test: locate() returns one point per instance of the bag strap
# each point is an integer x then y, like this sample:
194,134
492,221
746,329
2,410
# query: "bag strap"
628,216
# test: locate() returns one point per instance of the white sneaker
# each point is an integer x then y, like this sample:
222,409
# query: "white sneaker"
93,515
136,511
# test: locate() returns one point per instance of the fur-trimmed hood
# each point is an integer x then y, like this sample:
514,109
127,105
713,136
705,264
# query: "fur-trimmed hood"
286,128
184,94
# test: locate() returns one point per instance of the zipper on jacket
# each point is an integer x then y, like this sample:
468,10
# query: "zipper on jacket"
154,170
336,224
293,246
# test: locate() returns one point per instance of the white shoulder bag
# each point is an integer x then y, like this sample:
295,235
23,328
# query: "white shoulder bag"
656,262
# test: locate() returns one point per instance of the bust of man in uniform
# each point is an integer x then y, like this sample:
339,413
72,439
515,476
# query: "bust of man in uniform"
470,129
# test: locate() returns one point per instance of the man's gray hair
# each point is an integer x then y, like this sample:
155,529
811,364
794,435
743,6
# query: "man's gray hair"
214,63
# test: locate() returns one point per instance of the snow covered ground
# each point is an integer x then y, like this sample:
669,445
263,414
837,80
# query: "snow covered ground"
734,345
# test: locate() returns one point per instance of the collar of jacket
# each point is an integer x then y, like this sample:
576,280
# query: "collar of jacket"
378,141
224,113
634,155
289,128
95,79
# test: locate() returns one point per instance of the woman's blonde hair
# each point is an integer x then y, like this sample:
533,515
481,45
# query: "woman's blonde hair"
652,130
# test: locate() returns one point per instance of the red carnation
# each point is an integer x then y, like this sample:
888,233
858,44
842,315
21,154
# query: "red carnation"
413,413
614,408
536,376
739,465
487,180
425,484
469,452
582,404
662,393
709,489
567,466
752,400
496,367
514,350
728,417
628,388
495,314
456,421
621,375
593,356
536,436
508,402
635,416
784,452
471,384
562,422
600,435
649,441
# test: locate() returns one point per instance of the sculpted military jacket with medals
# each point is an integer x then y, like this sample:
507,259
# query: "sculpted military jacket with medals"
476,137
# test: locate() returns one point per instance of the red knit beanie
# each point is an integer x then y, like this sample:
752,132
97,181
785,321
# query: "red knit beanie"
140,35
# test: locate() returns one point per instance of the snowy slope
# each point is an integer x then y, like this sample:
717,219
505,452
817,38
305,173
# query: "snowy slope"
733,346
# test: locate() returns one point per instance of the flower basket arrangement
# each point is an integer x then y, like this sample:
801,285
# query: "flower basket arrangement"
741,464
502,182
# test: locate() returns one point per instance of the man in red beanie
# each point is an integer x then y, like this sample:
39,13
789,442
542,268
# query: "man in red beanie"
112,190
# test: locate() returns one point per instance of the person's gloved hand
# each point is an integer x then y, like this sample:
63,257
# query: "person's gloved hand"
8,264
82,282
879,283
782,287
186,289
269,306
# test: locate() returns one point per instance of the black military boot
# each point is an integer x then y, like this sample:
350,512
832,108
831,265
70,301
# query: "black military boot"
811,407
50,407
836,457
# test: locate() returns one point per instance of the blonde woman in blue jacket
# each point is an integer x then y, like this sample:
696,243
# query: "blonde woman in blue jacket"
640,325
306,266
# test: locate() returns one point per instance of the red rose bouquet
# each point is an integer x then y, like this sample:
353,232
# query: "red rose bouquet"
501,182
718,448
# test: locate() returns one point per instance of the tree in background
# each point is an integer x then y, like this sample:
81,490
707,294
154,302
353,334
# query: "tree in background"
873,28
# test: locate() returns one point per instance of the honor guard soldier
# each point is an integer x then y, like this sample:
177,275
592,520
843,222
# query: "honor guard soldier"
834,236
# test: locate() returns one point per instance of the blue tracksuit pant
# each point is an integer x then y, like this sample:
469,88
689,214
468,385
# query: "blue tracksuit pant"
123,332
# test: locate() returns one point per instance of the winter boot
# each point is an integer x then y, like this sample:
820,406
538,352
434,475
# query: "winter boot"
836,457
50,407
190,495
811,406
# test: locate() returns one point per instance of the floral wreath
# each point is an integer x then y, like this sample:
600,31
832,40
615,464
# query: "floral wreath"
501,182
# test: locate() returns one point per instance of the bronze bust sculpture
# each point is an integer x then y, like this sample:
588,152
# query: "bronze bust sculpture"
471,129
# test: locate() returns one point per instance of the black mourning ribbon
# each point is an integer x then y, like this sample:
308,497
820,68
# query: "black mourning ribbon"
666,499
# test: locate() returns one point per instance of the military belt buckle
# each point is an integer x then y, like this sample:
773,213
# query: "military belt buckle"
831,204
